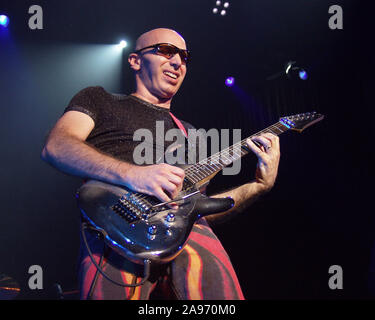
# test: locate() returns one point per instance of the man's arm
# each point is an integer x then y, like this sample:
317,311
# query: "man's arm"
67,151
265,176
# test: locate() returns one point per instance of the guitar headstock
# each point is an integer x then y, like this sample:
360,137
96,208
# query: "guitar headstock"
300,122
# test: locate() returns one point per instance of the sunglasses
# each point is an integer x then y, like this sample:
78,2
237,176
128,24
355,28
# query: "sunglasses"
168,50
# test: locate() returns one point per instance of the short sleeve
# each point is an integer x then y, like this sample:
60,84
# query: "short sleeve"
86,101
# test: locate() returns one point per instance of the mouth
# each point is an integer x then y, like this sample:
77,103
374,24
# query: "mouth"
171,75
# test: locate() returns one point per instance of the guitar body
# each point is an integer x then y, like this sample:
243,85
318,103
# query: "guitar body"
136,230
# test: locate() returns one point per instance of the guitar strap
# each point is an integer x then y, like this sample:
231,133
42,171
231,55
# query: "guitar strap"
179,124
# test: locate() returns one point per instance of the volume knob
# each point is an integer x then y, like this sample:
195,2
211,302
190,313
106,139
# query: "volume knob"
152,229
170,217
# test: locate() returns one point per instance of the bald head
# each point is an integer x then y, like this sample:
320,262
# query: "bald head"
158,75
160,35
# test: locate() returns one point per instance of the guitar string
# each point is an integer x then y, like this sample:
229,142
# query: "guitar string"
201,166
213,160
227,156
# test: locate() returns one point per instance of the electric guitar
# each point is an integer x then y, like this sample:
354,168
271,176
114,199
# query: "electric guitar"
141,227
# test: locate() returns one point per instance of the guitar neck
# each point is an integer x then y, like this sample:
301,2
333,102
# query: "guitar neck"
218,161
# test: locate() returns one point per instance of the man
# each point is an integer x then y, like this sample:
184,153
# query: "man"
94,139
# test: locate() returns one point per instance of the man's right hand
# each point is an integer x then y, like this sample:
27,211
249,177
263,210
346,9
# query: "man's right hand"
160,180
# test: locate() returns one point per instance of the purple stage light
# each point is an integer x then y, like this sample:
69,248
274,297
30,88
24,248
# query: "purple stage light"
4,20
229,82
303,75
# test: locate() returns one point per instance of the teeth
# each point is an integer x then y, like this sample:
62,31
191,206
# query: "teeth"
171,74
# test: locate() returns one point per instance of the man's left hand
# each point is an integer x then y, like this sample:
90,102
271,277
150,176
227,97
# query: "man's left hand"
268,155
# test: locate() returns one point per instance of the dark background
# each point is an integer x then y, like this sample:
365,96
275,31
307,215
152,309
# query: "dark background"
318,213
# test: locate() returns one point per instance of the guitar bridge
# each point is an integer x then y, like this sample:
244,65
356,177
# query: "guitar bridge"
125,212
133,207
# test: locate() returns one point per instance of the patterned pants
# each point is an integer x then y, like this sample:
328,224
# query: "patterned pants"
202,271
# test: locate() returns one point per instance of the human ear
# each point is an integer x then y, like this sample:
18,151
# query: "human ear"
134,61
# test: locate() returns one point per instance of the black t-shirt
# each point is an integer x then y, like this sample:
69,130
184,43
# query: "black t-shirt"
118,117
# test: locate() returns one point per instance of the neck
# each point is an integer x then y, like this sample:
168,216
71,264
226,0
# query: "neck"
150,98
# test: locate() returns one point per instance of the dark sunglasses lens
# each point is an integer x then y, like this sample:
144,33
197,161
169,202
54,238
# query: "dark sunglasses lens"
185,56
167,50
171,50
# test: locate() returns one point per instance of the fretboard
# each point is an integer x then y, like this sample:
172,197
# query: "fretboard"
213,164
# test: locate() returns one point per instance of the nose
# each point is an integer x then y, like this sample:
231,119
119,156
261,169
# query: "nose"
175,61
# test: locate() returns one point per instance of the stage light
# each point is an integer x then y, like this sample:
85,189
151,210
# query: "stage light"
4,20
302,74
122,44
229,82
219,4
292,70
289,67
